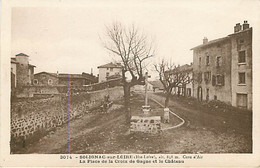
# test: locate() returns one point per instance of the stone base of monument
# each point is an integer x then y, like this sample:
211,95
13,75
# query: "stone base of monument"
146,109
145,124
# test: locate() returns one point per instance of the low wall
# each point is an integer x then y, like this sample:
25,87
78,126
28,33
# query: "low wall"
146,124
49,90
29,115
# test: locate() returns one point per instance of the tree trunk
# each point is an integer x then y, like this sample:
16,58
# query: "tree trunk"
127,102
167,100
168,95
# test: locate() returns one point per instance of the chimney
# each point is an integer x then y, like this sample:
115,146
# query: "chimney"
205,40
91,71
245,25
237,28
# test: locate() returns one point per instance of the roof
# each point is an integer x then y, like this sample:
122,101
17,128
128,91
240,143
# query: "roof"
21,54
52,74
71,76
182,68
32,65
13,60
211,42
221,39
249,29
75,76
111,65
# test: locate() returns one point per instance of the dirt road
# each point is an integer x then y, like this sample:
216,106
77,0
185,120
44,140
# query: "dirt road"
203,132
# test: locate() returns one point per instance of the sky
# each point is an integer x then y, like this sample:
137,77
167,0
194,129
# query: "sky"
67,39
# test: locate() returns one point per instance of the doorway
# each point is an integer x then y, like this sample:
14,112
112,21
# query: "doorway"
241,100
199,93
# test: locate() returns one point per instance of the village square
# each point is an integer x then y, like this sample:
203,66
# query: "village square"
114,88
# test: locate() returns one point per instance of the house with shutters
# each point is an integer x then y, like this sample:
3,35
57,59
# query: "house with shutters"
109,71
222,68
185,87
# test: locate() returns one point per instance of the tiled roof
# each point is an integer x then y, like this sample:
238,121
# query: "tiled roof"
182,68
21,54
211,42
71,76
52,74
111,65
220,39
32,65
78,76
75,76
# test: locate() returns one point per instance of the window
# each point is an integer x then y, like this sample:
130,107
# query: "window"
199,77
207,60
242,57
35,81
242,100
111,69
207,76
50,82
215,97
220,80
107,68
200,61
241,41
189,92
207,96
218,63
107,74
242,78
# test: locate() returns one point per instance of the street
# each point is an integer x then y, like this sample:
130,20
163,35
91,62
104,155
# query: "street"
204,131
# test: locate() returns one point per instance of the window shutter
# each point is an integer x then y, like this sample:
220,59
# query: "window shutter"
223,80
213,80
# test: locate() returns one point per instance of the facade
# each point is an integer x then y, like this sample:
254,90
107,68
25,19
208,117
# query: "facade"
108,70
52,79
157,85
223,68
22,73
76,79
45,78
185,88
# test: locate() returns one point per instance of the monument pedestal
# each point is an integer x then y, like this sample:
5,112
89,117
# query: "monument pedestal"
146,124
146,109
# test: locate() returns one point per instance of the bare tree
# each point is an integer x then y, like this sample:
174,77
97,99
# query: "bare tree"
133,48
171,76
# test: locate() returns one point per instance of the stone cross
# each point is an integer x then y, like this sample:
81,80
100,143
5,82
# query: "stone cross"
146,85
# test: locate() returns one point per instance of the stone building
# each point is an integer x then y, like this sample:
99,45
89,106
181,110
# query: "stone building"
107,70
77,79
223,68
45,78
185,87
52,79
22,73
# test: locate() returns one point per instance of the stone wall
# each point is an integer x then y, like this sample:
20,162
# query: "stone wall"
146,124
30,115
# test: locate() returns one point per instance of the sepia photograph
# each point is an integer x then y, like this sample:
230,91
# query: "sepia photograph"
132,79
